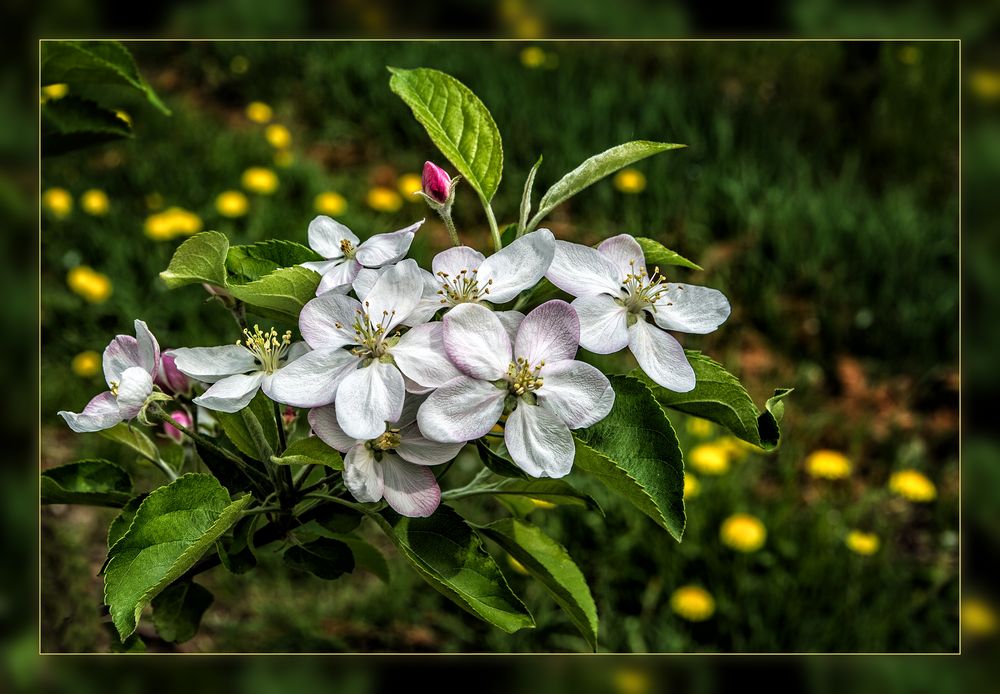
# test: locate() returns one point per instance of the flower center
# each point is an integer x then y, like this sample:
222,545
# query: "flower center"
347,248
114,388
462,288
523,378
266,348
387,441
643,290
369,335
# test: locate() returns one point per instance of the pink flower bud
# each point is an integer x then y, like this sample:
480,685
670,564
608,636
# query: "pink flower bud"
288,416
169,377
436,182
181,418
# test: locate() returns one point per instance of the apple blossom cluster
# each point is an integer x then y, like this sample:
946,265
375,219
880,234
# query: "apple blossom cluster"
399,367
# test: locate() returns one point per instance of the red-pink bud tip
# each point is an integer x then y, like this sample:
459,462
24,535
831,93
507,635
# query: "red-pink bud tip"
436,182
181,418
170,378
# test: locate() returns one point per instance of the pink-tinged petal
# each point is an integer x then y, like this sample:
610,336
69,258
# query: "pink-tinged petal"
120,354
688,308
149,349
328,320
100,413
576,392
603,326
368,398
338,279
626,254
395,295
415,449
435,182
169,377
325,235
539,442
312,379
383,249
661,357
322,266
363,474
136,385
463,409
476,342
583,271
411,490
210,364
420,355
415,388
511,321
454,260
232,393
518,266
323,421
550,333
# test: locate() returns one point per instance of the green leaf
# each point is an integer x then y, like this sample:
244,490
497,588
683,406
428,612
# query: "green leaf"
229,474
72,123
238,552
338,519
282,293
657,255
718,396
522,223
91,482
450,557
120,524
253,429
593,170
177,611
133,644
133,438
310,451
366,556
323,557
550,563
497,460
173,527
550,491
457,122
634,452
95,62
250,263
200,259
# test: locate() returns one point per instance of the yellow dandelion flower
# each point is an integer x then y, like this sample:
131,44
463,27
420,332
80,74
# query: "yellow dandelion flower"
692,603
185,222
384,199
632,681
532,57
259,112
544,505
692,487
54,91
985,84
827,464
696,426
912,485
124,116
865,544
517,566
709,459
978,618
86,282
330,203
743,532
738,449
159,227
86,364
630,181
259,180
909,55
95,202
58,202
232,203
409,184
278,136
283,158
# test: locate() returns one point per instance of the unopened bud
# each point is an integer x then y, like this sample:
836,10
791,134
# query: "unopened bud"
181,418
169,377
437,184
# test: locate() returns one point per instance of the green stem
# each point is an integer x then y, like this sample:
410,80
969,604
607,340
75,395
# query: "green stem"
494,231
284,472
312,487
445,214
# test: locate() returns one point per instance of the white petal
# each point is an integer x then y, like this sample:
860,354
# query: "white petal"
296,350
323,421
415,388
576,392
416,449
383,249
549,333
365,280
312,379
583,271
603,328
430,301
395,294
518,266
120,354
456,259
100,413
327,321
461,410
362,474
411,405
689,308
325,235
420,355
511,321
149,348
410,490
135,387
539,442
476,342
625,252
209,364
661,357
322,266
338,278
232,393
368,398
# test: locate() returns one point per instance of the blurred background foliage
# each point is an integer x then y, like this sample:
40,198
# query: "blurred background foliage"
819,191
